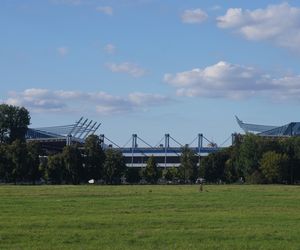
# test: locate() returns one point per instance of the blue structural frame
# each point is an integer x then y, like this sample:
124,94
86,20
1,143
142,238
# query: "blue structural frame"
165,155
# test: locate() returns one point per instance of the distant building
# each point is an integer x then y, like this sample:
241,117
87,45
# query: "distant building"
288,130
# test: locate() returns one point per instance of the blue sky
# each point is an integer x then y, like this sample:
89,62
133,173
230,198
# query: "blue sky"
152,67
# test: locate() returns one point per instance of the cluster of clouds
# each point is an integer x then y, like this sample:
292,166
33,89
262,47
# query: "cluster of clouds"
279,24
221,80
233,81
45,100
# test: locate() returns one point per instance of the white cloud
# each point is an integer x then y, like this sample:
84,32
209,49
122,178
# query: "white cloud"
277,23
45,100
110,48
127,67
63,51
233,81
193,16
106,10
37,100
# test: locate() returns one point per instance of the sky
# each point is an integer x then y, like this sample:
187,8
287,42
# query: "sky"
152,67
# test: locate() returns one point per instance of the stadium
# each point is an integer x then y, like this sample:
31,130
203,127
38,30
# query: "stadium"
167,152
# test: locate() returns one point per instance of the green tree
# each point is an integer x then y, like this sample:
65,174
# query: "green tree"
188,169
272,165
94,158
114,166
14,123
55,171
214,166
170,173
151,173
6,166
132,175
17,153
249,155
294,167
230,171
73,164
33,159
291,147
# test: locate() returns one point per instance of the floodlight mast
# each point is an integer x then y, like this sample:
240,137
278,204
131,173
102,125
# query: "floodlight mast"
80,127
167,145
89,131
69,135
86,128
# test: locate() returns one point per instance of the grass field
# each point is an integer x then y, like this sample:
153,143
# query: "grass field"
150,217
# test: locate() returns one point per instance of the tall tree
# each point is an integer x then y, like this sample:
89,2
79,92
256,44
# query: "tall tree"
6,166
14,122
132,175
94,158
73,163
17,153
151,173
218,166
188,165
55,170
272,165
114,166
170,173
250,153
34,151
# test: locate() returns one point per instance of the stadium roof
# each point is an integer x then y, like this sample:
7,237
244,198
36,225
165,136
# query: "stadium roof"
78,131
290,129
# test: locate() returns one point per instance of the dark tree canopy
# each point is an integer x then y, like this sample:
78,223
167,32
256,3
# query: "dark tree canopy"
73,164
133,175
188,165
94,158
55,171
34,152
14,122
114,166
17,154
151,173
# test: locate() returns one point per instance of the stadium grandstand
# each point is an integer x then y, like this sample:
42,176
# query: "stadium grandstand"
56,137
287,130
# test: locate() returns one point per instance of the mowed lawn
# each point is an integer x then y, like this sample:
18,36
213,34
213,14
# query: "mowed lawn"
150,217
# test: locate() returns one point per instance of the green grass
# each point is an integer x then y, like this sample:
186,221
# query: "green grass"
150,217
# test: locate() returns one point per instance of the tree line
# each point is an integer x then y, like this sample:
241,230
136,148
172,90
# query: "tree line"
252,159
255,159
